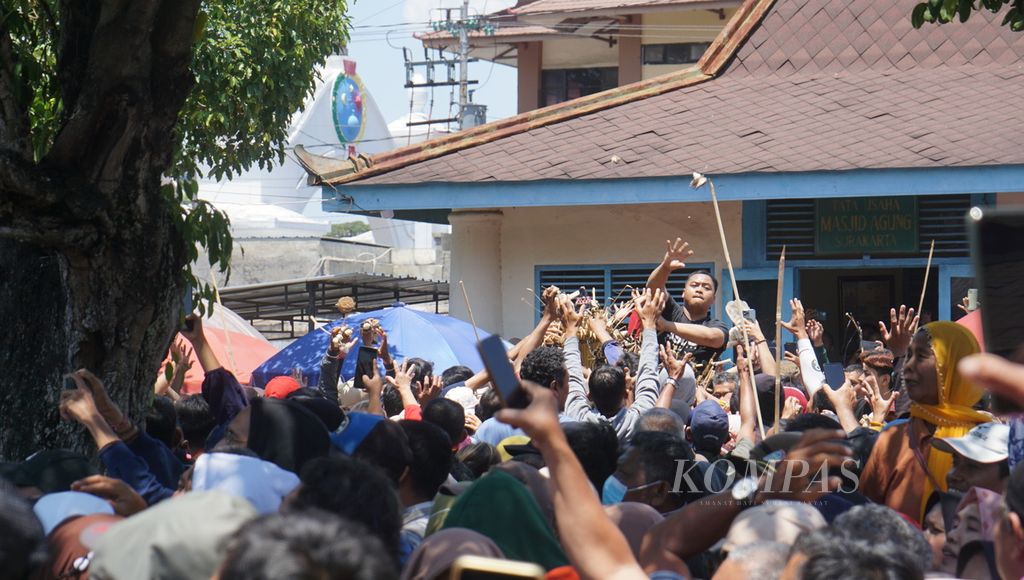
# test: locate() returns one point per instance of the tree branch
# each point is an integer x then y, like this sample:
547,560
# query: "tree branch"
50,233
30,194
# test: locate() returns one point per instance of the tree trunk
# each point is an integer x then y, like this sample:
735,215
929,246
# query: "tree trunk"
112,312
92,267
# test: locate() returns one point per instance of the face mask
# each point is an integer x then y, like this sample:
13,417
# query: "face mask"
613,491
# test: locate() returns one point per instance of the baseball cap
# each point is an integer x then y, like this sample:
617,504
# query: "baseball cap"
775,521
280,387
709,425
53,508
985,443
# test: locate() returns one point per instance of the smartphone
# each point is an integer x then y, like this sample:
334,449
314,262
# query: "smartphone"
750,315
998,257
503,376
481,568
186,309
972,299
789,347
366,361
834,375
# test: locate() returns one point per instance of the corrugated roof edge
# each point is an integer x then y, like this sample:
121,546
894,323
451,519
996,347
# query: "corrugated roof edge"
329,171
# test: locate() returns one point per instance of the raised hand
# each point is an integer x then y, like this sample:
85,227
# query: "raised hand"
902,326
77,404
792,408
843,398
742,363
965,305
649,304
429,389
753,329
109,410
549,298
404,374
598,323
879,405
796,325
673,366
374,384
342,339
795,476
815,332
676,254
569,315
194,336
125,500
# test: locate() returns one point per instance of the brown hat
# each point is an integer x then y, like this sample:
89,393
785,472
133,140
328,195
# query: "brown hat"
879,358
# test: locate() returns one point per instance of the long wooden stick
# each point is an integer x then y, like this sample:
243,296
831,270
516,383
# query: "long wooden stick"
736,296
924,287
469,308
778,332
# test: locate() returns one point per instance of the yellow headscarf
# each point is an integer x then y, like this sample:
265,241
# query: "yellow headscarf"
954,415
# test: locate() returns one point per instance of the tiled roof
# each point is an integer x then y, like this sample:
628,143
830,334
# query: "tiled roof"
816,85
567,6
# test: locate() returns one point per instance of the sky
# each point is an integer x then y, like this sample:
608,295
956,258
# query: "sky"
381,64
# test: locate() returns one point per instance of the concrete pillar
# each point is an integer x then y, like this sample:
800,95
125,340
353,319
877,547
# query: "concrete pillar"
476,260
528,68
631,67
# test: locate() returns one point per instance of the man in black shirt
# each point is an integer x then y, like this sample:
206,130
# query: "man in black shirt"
689,326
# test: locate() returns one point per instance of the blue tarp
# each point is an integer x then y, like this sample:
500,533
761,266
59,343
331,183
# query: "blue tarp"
439,338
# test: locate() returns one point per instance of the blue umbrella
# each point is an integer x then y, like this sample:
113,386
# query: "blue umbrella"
439,338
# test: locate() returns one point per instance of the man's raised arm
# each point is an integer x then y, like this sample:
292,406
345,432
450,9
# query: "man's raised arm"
676,254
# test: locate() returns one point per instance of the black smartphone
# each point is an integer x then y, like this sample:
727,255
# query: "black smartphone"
186,309
789,347
503,376
998,257
366,361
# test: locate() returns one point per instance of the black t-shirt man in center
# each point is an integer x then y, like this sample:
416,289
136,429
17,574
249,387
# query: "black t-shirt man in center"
689,325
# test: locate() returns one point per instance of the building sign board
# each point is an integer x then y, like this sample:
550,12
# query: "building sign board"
858,226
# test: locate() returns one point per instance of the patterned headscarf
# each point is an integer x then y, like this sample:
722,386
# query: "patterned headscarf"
954,415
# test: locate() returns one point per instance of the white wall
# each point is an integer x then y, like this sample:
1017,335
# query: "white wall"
620,234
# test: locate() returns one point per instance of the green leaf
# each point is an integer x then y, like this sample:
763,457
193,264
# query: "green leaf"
965,10
917,16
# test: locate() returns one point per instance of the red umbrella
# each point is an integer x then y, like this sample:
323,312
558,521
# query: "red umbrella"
973,323
238,345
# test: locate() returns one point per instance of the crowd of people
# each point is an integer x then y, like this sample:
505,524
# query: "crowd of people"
641,453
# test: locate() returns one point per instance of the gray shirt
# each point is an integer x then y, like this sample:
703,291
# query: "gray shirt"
646,391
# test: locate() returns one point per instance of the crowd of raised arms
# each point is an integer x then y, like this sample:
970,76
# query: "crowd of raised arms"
658,442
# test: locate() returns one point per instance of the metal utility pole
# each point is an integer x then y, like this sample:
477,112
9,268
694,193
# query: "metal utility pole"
463,62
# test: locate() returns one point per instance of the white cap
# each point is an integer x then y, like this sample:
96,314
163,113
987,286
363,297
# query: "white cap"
463,396
985,443
261,482
53,508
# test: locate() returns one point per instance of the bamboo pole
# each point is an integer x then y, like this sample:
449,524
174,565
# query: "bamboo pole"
778,331
469,309
698,181
924,287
